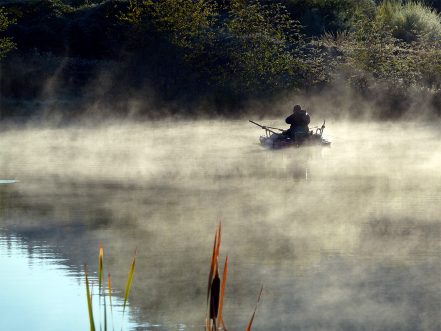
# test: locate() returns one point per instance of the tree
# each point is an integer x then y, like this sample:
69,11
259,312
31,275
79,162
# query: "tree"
240,47
6,43
265,48
187,23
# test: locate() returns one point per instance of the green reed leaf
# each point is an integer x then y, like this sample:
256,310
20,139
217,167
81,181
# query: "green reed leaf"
129,281
105,314
89,301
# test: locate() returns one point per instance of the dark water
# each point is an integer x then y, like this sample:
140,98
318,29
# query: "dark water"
346,238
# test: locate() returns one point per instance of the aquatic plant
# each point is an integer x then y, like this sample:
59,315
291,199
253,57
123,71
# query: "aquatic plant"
100,266
216,290
216,287
101,292
89,301
250,322
129,281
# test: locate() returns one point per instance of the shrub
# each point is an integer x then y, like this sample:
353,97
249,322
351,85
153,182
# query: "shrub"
410,21
370,52
372,58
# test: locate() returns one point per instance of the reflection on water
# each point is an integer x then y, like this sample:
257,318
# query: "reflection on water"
346,238
41,292
7,181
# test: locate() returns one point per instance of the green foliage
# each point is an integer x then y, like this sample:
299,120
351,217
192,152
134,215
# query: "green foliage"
189,23
258,47
59,7
371,55
427,60
6,43
376,52
409,21
222,51
244,47
326,16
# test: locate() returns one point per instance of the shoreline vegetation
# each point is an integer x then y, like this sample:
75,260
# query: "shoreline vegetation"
204,58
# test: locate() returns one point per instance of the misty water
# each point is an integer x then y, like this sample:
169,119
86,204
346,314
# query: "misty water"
342,238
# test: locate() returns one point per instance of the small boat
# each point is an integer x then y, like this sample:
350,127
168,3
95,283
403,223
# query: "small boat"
279,140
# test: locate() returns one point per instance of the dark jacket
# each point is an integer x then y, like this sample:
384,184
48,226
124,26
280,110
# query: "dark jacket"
298,119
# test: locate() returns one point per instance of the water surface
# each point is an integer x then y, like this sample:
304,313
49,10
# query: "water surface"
343,238
41,291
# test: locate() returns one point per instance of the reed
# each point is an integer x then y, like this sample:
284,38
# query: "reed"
109,289
250,323
100,266
129,281
89,301
101,291
215,289
220,320
105,314
214,320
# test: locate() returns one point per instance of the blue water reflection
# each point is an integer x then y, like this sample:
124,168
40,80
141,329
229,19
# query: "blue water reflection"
39,292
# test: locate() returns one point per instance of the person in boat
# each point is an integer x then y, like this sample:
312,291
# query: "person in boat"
299,121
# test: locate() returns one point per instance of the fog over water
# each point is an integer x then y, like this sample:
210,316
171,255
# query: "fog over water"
342,238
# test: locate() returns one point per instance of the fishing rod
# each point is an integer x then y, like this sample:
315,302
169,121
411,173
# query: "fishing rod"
266,128
281,130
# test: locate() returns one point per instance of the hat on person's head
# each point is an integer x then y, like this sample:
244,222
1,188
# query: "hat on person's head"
297,108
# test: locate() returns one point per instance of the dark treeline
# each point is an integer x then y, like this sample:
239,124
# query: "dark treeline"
186,55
